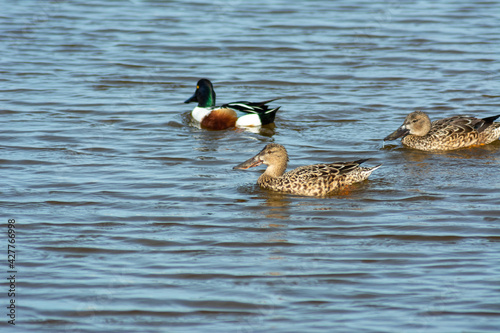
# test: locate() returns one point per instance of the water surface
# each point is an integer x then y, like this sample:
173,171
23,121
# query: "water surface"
131,219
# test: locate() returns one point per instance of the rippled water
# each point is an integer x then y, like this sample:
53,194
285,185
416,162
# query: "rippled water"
130,219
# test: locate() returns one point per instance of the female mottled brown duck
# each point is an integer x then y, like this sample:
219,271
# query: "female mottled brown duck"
446,134
310,180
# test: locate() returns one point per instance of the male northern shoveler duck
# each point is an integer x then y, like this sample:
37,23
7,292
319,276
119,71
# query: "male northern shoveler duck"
446,134
310,180
221,117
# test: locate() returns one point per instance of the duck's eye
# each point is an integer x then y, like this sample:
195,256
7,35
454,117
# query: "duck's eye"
197,87
414,120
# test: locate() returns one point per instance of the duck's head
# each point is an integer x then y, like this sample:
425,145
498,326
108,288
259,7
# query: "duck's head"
204,94
416,123
272,155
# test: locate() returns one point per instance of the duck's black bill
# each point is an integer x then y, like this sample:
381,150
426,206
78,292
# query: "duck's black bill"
191,99
253,162
396,134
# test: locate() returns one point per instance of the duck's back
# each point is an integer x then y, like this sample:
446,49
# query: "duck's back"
456,125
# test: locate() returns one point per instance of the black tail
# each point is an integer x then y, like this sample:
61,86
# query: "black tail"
485,123
268,116
361,160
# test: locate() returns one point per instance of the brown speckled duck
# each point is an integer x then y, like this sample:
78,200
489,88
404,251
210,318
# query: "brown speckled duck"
310,180
446,134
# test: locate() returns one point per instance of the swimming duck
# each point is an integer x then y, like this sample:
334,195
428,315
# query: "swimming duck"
310,180
221,117
445,134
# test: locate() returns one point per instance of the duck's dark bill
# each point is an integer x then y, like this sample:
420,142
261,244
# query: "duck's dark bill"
253,162
191,99
397,134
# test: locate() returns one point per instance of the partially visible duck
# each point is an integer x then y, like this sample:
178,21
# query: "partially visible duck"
221,117
310,180
446,134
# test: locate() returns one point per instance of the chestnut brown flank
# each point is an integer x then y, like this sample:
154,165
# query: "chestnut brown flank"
219,119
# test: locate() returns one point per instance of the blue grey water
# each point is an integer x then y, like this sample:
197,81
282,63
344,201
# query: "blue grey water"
131,219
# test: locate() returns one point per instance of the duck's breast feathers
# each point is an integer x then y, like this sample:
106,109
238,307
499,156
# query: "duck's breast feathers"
199,113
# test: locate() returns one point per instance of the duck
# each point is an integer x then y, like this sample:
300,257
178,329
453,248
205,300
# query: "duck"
309,180
451,133
225,116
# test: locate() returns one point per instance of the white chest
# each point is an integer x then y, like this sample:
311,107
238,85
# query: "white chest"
199,113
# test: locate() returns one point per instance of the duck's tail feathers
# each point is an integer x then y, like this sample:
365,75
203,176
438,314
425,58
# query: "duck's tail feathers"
361,160
485,123
369,169
268,116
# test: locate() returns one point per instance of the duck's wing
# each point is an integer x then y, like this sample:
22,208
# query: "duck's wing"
309,172
454,125
461,125
252,107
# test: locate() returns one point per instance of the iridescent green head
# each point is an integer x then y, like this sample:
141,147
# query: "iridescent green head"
204,94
